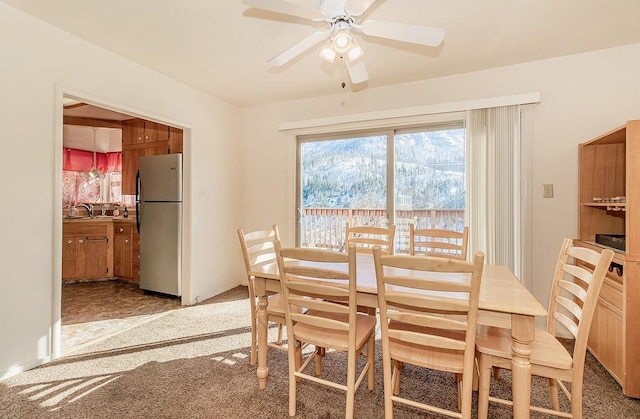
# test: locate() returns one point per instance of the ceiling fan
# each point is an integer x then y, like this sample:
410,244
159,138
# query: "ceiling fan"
343,17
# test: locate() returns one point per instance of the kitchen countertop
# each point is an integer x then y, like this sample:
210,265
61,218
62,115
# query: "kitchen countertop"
98,219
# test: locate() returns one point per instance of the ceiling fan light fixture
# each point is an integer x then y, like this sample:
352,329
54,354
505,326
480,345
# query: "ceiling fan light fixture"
355,51
327,52
342,41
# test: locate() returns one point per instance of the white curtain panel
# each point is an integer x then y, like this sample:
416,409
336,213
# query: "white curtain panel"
495,182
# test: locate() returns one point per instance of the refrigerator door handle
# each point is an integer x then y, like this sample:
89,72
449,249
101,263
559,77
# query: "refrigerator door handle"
138,201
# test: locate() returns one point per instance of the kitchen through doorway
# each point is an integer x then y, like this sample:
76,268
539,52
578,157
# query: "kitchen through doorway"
94,307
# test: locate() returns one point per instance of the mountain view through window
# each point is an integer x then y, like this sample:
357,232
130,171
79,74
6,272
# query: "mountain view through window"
347,180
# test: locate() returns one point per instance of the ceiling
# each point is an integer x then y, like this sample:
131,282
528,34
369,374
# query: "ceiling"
221,47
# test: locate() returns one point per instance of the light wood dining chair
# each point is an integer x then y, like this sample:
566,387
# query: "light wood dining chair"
413,295
257,250
324,283
574,293
438,242
365,237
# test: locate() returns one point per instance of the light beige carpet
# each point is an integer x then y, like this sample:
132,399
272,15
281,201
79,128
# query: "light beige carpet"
194,363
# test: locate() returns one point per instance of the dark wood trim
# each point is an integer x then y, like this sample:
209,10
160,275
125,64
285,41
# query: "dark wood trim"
91,122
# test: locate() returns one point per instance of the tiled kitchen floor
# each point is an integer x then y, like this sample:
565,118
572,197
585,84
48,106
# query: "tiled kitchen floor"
96,310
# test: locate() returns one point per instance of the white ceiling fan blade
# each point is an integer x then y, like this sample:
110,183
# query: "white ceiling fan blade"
297,49
357,7
357,71
286,8
423,35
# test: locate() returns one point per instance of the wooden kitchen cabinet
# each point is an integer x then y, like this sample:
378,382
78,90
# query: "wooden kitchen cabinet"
145,138
175,140
68,257
132,132
86,253
140,131
609,203
126,251
130,165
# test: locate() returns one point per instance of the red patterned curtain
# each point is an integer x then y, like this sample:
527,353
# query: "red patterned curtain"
77,187
82,161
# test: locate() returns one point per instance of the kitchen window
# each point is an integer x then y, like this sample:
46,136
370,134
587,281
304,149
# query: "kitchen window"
77,185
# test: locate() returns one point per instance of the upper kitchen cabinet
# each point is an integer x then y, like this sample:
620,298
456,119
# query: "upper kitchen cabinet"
145,138
175,140
139,131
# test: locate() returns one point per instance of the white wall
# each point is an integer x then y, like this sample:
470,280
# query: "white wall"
582,96
39,64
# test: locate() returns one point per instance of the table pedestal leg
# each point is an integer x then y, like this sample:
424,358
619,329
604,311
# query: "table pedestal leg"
522,333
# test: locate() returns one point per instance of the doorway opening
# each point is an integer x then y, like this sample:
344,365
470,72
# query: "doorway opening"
97,294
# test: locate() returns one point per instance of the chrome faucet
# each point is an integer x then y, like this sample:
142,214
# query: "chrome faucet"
89,208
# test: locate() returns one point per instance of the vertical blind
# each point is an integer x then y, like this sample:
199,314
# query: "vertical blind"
495,194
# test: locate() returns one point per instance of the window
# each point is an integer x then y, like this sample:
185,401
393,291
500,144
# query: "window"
379,178
78,187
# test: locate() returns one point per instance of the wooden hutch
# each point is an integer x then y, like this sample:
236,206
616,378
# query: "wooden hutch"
609,215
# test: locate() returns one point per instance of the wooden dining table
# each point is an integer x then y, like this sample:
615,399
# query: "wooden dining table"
504,302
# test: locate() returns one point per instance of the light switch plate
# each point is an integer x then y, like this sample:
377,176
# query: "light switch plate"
547,190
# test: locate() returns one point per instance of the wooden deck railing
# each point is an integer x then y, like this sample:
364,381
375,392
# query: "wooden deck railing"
325,227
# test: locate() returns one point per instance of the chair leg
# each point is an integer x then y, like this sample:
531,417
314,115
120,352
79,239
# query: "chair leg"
254,341
397,367
553,394
474,386
484,374
279,341
496,372
371,358
387,374
576,399
293,360
465,391
318,360
298,351
351,383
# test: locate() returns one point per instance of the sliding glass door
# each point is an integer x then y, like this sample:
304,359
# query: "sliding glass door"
380,178
429,180
341,180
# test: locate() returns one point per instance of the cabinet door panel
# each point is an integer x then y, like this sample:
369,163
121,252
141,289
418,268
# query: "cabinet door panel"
130,165
154,131
132,132
68,257
122,256
605,338
91,260
175,140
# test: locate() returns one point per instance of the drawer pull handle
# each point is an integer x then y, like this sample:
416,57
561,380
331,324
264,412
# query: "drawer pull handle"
617,267
121,229
69,241
104,239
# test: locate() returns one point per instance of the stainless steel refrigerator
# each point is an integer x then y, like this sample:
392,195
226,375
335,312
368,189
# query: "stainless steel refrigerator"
159,222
